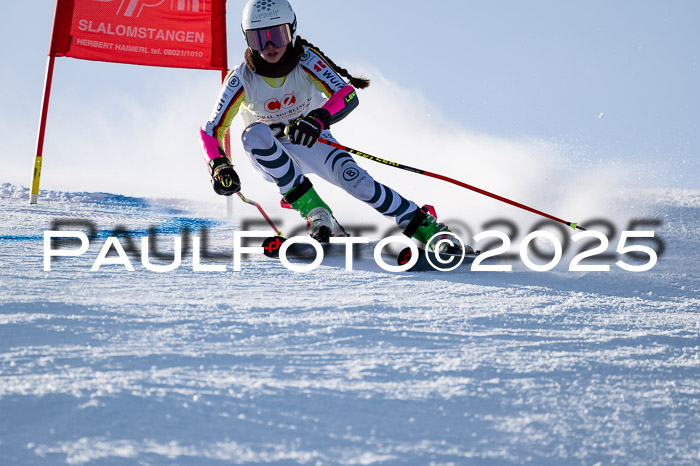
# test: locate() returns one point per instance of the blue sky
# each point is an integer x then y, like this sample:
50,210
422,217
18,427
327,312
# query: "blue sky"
548,69
606,82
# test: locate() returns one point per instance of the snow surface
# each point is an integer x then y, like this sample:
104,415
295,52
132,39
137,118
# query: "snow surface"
363,367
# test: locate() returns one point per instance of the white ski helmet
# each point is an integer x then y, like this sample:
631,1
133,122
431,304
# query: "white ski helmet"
276,17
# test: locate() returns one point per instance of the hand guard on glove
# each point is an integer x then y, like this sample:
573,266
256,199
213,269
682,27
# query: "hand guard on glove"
306,130
223,177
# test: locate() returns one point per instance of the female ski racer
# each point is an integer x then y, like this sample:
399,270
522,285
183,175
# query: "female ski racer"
289,94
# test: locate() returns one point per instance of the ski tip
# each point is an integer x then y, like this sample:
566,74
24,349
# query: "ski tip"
271,246
404,256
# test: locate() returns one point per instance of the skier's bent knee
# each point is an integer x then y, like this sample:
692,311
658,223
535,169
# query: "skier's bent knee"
257,136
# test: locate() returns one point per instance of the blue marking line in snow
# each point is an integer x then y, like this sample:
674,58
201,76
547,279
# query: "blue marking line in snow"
172,226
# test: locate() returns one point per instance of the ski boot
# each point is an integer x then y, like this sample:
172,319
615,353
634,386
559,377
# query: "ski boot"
423,226
320,223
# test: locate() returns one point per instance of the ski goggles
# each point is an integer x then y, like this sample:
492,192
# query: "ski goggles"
279,36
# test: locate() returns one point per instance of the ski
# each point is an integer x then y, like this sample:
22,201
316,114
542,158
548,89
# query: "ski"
272,245
429,261
271,248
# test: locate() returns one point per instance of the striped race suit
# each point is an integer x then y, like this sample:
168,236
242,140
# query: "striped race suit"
268,105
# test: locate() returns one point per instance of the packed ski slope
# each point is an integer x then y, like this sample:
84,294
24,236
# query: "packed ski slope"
269,366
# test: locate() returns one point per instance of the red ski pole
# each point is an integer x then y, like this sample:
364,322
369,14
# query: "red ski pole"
449,180
262,212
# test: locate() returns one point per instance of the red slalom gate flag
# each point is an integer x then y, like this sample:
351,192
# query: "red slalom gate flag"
171,33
